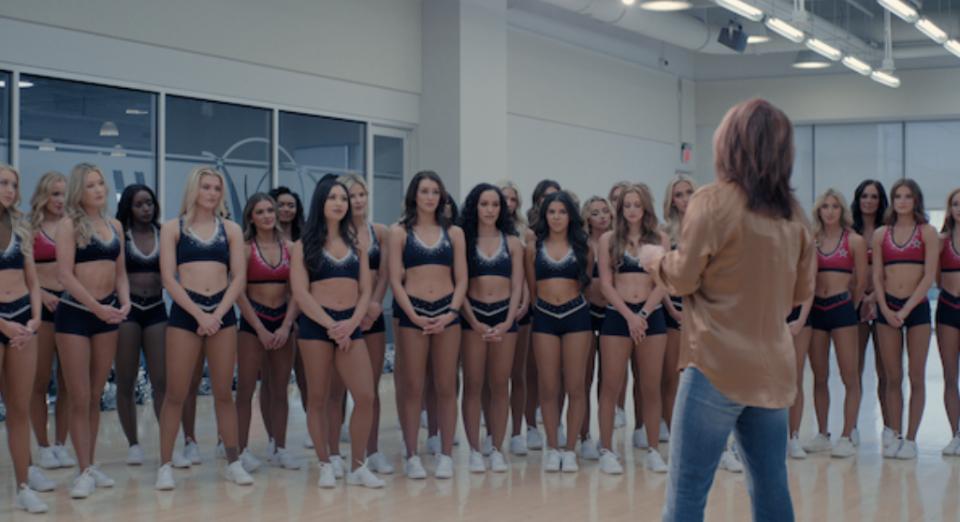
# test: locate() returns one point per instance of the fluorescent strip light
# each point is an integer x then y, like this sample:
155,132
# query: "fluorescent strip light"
666,5
823,49
742,8
23,84
857,65
930,29
953,46
758,39
628,2
901,9
886,79
785,30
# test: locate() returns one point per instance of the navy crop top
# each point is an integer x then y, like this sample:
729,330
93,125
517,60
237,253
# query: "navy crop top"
499,264
545,267
331,267
191,249
137,261
12,258
630,265
416,253
98,250
373,253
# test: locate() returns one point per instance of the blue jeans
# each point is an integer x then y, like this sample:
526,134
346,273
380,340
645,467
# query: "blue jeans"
702,419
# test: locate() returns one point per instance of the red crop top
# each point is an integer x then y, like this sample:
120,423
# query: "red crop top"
949,258
912,252
44,249
840,260
259,271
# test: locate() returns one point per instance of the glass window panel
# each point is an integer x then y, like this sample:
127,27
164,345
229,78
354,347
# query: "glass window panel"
845,155
802,177
311,146
63,123
233,138
4,117
388,162
932,157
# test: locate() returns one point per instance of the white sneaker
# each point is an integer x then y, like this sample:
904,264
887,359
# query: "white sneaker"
165,480
569,463
908,450
433,446
654,462
38,482
794,449
844,448
179,461
539,416
378,463
483,419
561,436
477,464
664,431
619,418
456,440
28,500
48,458
444,467
589,450
609,463
249,462
893,448
818,443
327,478
337,462
554,460
640,438
518,445
362,476
237,474
103,481
345,433
730,461
191,451
497,463
534,440
220,451
135,455
284,459
308,441
888,436
271,447
66,461
423,419
855,437
487,445
84,485
949,449
415,468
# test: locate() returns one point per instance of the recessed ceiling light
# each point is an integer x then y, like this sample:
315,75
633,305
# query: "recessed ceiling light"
810,60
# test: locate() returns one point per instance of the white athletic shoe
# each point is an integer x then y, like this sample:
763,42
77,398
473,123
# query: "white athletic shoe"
327,477
539,416
237,474
640,438
308,442
284,459
609,463
103,481
66,461
497,463
561,436
423,419
433,446
220,451
47,458
249,462
28,500
844,448
891,450
569,463
456,440
908,450
554,460
444,467
818,443
888,436
415,468
589,450
362,476
487,445
477,464
271,447
37,481
84,485
949,449
654,462
730,461
178,460
378,463
345,433
135,455
664,431
518,445
165,480
191,451
855,437
534,440
483,419
794,449
338,469
619,418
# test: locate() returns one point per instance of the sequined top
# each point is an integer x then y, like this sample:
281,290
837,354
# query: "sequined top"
191,249
373,251
12,257
137,261
44,249
259,271
949,257
546,267
417,253
910,253
499,264
98,249
840,260
348,266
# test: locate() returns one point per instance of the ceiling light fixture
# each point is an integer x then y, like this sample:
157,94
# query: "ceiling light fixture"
666,5
885,78
824,49
46,145
785,30
857,65
925,26
810,60
109,129
628,2
756,32
953,46
742,8
118,151
23,84
137,112
901,9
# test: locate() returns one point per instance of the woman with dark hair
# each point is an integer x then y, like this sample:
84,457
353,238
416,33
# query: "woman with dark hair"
745,257
948,317
558,268
330,278
495,266
909,270
146,323
869,206
289,212
542,190
265,340
428,276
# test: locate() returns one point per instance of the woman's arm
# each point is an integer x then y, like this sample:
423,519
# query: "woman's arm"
859,248
383,274
169,236
300,284
531,255
66,250
238,269
931,258
267,339
122,284
33,284
460,273
516,281
679,271
398,236
636,324
878,279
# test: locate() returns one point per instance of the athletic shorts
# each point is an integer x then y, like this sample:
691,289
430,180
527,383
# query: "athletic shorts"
490,314
616,325
46,316
668,319
830,313
72,317
429,309
271,318
312,331
920,314
597,315
146,311
180,318
948,310
795,314
559,320
15,312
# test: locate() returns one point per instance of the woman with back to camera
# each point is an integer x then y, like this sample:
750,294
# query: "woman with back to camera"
869,206
842,265
146,323
330,277
634,328
46,211
91,267
428,276
495,267
265,339
19,320
948,316
746,251
202,264
558,268
907,248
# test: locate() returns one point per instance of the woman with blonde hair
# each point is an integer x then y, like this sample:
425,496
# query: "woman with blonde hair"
948,317
92,269
615,191
203,268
